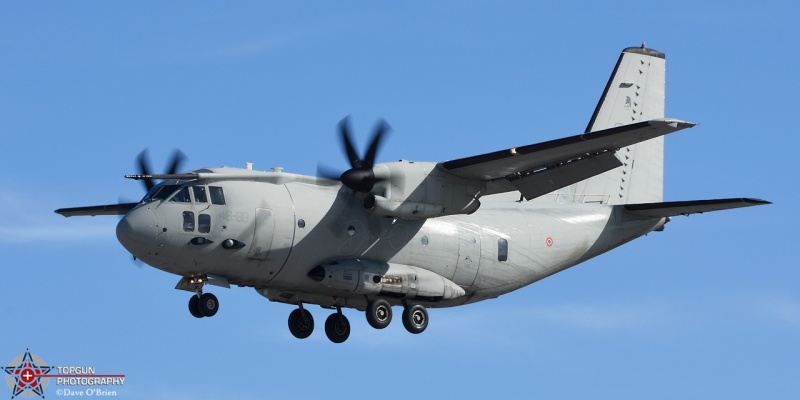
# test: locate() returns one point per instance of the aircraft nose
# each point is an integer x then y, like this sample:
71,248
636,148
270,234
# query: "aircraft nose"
137,230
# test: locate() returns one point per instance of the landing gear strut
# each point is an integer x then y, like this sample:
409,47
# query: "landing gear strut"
337,327
203,305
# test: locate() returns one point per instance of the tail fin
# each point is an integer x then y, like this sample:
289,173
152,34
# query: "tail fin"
634,93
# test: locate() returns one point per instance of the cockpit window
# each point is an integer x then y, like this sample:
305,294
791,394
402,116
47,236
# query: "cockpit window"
217,197
160,192
182,196
200,194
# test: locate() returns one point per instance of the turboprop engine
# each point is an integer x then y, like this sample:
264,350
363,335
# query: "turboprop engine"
412,190
385,279
403,189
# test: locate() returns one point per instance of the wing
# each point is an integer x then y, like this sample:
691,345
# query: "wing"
110,209
540,168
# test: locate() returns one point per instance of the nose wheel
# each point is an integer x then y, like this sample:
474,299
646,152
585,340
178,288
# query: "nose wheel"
203,305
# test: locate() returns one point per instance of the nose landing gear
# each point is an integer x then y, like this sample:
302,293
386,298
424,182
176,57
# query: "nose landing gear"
203,305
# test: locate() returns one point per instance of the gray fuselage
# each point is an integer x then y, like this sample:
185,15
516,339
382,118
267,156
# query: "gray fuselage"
284,230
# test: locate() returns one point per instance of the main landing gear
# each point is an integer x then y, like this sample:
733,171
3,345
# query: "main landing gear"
379,315
337,326
301,323
203,304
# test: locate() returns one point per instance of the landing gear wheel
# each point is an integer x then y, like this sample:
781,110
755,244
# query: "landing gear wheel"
194,307
415,318
301,323
379,313
207,304
337,327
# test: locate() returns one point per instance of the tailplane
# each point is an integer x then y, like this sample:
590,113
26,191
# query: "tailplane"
675,208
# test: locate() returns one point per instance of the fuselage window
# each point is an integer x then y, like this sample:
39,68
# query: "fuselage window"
182,196
217,197
502,250
200,194
204,223
188,221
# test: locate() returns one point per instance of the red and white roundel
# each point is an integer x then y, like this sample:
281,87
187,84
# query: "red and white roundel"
549,241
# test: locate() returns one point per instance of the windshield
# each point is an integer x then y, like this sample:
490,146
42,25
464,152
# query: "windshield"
160,192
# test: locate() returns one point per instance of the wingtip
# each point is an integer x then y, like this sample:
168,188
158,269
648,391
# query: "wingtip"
756,202
673,122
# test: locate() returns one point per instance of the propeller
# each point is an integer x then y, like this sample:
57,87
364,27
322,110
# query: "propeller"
360,177
142,161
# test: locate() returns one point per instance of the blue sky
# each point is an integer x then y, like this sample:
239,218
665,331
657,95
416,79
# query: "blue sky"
708,308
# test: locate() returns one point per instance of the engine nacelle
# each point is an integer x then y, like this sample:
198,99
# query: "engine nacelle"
385,279
384,207
412,190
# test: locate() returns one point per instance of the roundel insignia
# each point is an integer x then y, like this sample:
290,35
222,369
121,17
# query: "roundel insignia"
549,241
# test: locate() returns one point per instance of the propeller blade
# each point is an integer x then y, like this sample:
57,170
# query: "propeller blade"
144,169
177,159
381,128
143,162
360,177
349,149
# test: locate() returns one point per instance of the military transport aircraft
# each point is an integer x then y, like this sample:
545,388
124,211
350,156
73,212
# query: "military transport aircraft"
415,234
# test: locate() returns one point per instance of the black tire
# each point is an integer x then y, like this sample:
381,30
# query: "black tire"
301,323
208,305
379,313
337,328
194,306
415,318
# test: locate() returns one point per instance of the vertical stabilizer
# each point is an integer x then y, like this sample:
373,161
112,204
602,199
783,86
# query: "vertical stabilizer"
634,93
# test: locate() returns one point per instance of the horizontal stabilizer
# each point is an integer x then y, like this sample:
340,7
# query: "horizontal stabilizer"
109,209
675,208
